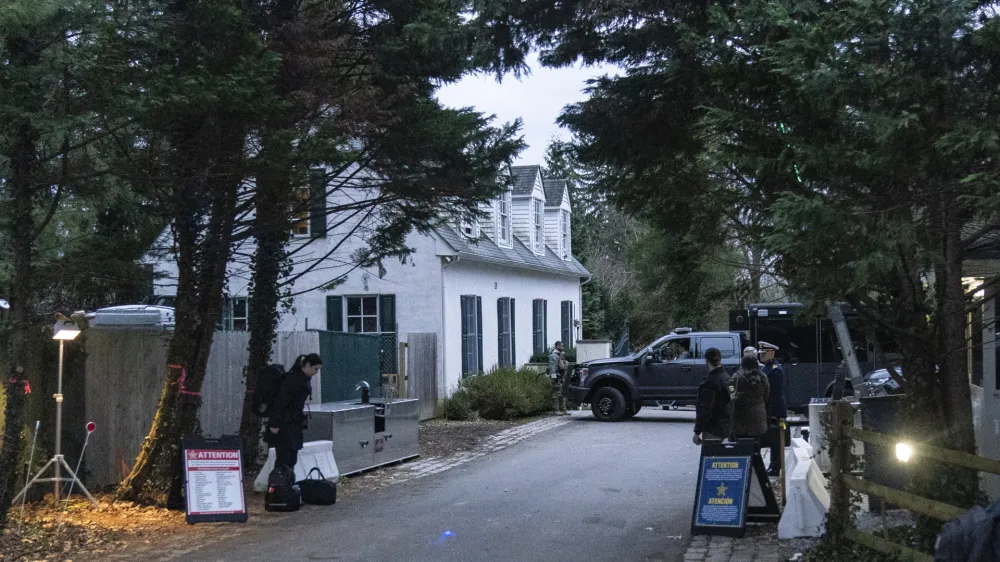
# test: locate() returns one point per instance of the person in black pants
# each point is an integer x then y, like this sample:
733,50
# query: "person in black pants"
286,424
776,408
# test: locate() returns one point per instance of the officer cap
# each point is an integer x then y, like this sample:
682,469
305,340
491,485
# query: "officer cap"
765,346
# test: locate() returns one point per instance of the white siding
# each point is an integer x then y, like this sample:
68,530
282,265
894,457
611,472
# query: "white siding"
491,282
553,236
487,221
522,219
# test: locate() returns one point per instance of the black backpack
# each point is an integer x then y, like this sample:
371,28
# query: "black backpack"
282,492
266,390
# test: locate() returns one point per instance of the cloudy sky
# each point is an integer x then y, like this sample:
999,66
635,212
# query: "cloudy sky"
537,99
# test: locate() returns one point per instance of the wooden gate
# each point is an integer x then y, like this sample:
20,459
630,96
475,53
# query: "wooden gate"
421,368
348,359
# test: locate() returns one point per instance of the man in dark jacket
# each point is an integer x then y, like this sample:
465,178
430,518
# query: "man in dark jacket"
776,409
288,420
714,415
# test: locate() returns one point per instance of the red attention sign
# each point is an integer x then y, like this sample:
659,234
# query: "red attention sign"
214,482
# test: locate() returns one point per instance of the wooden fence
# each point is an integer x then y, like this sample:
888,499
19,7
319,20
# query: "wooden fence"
842,433
124,379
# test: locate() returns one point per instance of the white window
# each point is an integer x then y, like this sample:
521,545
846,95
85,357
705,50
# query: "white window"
564,233
235,315
539,228
470,226
362,314
503,220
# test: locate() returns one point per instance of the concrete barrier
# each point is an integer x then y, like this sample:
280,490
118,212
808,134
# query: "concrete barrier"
314,454
807,499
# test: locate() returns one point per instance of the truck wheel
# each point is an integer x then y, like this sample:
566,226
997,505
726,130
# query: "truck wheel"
608,404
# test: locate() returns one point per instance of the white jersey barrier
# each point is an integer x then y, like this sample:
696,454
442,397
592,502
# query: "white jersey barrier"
314,454
807,499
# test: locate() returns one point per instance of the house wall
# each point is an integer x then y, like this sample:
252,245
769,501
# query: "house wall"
492,282
988,426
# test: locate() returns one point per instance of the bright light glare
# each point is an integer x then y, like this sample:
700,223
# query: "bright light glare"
904,451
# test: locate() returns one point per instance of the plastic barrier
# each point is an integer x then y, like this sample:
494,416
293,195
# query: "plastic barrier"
807,498
313,454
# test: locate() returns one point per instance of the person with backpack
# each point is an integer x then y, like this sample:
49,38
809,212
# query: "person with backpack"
751,392
286,419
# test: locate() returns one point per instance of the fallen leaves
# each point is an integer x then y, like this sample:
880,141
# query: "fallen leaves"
76,529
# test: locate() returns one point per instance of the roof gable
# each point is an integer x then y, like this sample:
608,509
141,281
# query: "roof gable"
555,190
524,178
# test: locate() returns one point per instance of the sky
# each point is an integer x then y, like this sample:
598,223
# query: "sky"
537,99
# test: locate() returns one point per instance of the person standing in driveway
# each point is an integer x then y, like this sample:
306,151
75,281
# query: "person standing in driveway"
776,410
557,371
713,419
286,424
750,400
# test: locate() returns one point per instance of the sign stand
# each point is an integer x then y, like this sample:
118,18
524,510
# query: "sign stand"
722,498
213,479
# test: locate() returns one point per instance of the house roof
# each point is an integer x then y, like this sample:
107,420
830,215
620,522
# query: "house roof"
485,250
524,178
554,190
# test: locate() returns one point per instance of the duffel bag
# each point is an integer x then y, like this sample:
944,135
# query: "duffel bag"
317,491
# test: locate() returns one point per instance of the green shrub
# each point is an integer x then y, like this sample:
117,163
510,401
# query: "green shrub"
505,393
458,406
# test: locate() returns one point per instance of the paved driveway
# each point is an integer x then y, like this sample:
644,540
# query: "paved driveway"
581,491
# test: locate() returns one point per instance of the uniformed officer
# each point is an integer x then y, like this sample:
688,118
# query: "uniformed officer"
776,408
557,370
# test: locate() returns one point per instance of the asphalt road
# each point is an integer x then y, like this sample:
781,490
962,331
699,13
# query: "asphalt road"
584,491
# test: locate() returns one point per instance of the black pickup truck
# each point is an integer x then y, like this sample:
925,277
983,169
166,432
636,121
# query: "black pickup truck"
668,370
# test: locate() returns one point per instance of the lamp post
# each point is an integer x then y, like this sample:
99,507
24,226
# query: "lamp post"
63,331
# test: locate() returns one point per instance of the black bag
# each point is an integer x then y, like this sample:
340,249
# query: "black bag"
318,491
282,492
266,390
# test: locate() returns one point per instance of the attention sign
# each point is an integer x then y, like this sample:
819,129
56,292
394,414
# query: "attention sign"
213,475
723,489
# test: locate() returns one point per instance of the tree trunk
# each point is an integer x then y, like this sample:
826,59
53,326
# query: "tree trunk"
204,228
940,403
271,228
22,307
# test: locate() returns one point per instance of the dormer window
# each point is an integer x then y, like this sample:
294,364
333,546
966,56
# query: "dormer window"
503,220
537,214
470,227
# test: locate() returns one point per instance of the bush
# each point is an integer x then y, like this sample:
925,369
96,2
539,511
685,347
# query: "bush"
501,394
459,406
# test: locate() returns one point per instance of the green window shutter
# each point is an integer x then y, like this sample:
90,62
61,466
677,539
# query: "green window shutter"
513,340
534,326
479,332
317,202
387,313
567,318
545,325
335,314
501,325
465,335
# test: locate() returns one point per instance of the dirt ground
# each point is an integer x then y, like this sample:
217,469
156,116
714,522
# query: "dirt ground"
76,531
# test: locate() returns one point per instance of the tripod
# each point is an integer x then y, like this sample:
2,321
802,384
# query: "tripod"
58,462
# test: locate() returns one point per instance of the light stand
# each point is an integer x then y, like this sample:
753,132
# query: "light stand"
63,330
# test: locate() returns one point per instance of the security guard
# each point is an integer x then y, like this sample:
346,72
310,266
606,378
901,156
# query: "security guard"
776,408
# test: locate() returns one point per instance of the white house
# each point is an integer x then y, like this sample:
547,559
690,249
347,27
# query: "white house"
495,290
